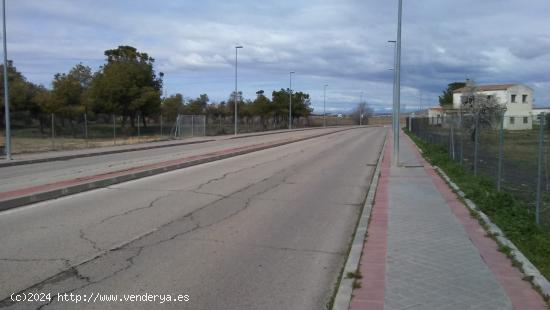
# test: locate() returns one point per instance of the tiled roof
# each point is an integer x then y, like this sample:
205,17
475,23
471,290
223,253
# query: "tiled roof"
486,87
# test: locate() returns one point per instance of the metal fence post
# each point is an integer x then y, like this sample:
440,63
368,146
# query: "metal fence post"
476,142
452,141
176,127
114,129
539,170
161,125
204,125
192,125
138,133
53,131
461,130
86,127
500,152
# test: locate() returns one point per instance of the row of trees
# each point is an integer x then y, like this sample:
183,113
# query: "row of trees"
127,85
263,107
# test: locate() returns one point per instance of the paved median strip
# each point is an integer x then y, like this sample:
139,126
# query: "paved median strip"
20,197
95,153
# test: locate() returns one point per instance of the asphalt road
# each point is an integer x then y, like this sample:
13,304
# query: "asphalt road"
265,230
16,177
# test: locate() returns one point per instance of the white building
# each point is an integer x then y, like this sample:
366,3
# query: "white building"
538,111
517,98
435,115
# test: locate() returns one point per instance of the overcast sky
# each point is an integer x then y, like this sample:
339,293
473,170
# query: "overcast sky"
342,43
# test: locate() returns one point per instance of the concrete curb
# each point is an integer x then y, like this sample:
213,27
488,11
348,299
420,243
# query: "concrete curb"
527,267
115,177
272,133
343,296
67,157
298,129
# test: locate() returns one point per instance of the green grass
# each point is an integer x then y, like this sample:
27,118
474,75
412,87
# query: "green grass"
354,275
506,211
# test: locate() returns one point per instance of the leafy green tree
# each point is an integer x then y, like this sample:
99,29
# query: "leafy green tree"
171,106
446,99
224,109
261,107
198,106
21,94
68,90
301,105
146,104
280,101
231,104
127,85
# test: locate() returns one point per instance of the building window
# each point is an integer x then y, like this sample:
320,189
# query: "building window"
513,98
525,120
512,120
524,98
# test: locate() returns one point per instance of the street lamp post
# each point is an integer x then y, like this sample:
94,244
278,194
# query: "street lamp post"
236,91
290,102
395,113
325,106
361,110
6,89
397,85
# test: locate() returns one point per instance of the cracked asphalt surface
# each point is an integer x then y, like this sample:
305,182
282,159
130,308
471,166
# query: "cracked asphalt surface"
16,177
265,230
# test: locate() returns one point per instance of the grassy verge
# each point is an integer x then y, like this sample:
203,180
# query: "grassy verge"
509,213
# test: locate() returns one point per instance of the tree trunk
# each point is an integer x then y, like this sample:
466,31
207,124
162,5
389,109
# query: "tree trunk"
133,121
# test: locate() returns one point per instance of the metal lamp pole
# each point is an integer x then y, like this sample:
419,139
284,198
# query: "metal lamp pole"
6,89
325,106
394,101
236,92
290,102
397,86
361,111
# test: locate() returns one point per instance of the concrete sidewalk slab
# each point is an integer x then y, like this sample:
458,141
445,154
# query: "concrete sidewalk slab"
424,251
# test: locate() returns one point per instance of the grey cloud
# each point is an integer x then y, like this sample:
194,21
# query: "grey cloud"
343,43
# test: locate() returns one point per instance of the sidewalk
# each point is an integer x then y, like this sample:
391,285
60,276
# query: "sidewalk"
424,251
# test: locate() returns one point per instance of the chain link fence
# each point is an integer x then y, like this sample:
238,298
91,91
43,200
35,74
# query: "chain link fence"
54,132
511,151
189,126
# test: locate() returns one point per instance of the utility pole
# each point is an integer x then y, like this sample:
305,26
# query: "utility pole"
361,110
236,91
397,86
6,89
325,105
290,102
394,100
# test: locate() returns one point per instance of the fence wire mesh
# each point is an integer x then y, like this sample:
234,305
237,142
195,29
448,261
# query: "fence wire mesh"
511,151
57,131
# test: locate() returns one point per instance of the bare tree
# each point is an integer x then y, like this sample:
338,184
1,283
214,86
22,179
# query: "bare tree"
485,110
361,113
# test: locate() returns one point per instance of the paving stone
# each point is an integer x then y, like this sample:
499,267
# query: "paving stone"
431,262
